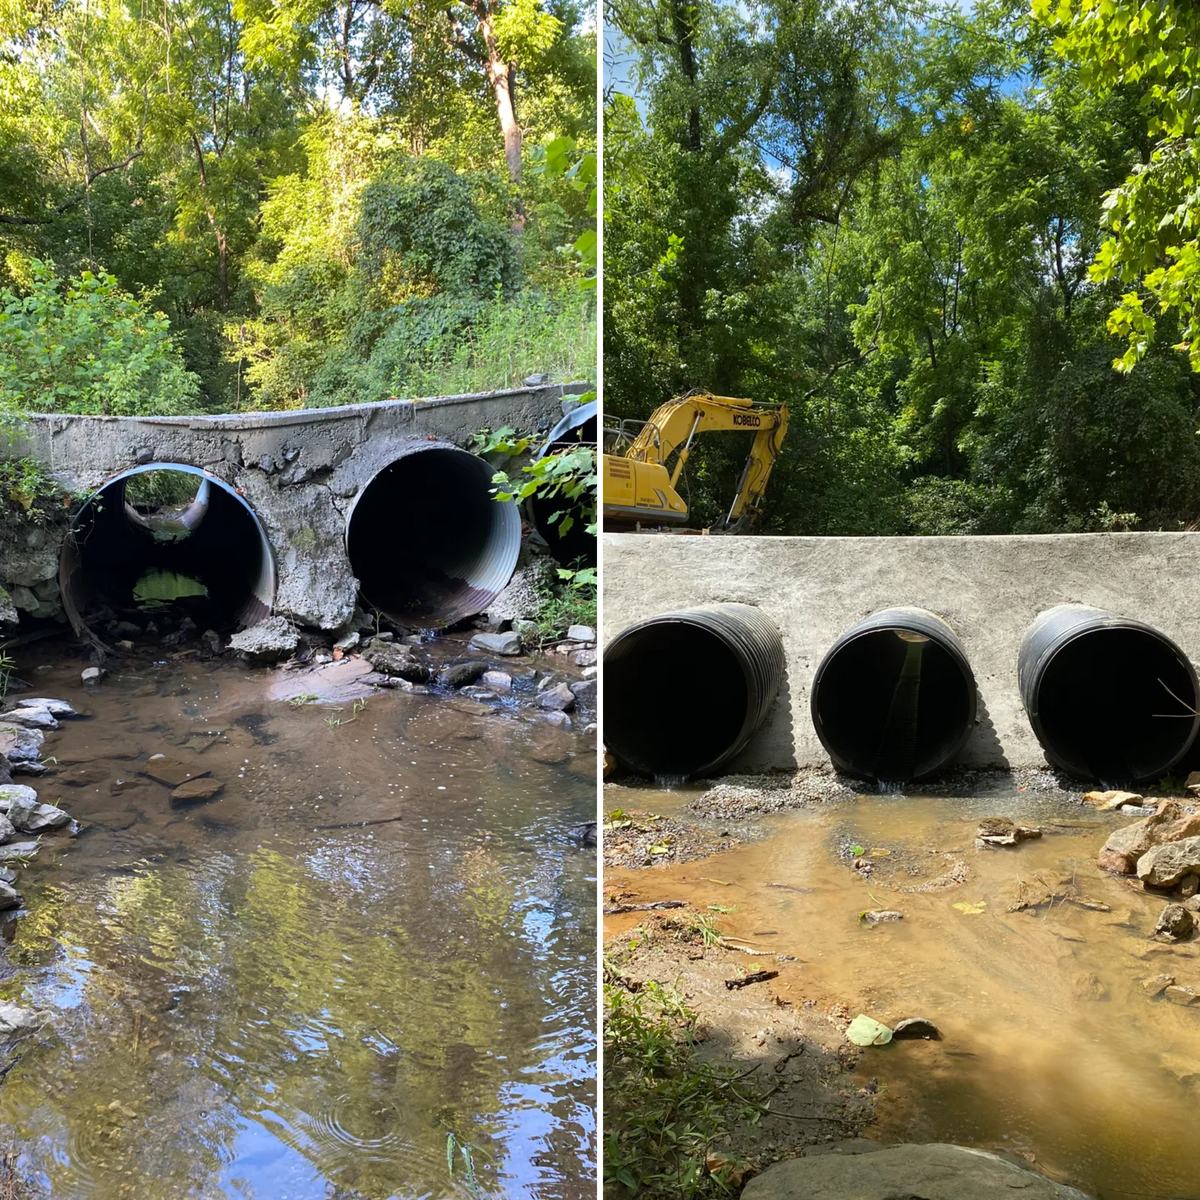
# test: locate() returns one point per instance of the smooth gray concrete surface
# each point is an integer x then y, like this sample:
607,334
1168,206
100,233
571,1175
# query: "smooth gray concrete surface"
300,471
988,589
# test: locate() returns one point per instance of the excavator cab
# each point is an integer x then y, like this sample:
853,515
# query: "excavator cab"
643,461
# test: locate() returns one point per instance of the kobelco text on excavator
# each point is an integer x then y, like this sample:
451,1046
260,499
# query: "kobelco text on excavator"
640,484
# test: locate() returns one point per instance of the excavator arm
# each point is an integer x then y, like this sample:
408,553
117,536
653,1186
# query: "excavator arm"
768,444
641,485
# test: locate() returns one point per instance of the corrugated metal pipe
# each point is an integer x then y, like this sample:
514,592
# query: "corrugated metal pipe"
575,548
894,698
684,691
1110,699
428,541
215,542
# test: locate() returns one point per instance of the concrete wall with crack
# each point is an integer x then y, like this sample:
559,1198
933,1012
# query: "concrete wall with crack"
300,471
989,589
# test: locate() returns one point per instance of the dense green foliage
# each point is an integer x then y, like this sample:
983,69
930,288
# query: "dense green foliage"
884,216
324,199
87,348
1153,217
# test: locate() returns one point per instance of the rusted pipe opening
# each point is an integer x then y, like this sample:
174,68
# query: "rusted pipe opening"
428,541
167,537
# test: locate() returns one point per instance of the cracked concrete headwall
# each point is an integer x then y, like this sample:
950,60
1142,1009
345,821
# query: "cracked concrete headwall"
300,471
989,589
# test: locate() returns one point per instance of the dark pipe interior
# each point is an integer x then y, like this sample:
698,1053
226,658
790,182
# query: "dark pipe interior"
422,535
891,708
576,548
1103,708
675,699
224,555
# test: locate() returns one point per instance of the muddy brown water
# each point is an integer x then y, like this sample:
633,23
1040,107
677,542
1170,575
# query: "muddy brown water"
1051,1047
288,992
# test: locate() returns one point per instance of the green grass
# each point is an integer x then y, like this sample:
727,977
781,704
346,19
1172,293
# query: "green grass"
570,604
533,333
665,1107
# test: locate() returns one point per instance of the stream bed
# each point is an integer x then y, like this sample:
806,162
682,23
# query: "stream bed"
1029,959
377,937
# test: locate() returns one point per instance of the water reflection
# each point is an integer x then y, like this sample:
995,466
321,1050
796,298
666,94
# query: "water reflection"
258,998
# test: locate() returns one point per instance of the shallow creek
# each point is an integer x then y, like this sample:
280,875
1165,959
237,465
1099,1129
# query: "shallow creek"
377,936
1051,1047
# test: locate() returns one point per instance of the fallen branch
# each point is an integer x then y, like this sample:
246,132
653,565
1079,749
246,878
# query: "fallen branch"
359,824
617,909
798,1117
745,949
754,977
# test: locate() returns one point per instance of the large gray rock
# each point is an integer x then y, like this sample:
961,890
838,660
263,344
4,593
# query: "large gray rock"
11,851
558,698
535,577
1164,866
460,675
398,661
933,1172
584,690
20,744
17,1025
1174,922
507,644
1127,844
31,718
266,642
36,818
60,708
16,792
498,681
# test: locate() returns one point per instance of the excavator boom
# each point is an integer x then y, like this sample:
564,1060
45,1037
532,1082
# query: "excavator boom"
639,487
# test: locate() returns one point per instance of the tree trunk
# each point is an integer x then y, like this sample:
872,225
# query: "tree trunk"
683,18
216,226
500,75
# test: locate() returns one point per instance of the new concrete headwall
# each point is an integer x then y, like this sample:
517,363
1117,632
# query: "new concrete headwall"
300,472
989,589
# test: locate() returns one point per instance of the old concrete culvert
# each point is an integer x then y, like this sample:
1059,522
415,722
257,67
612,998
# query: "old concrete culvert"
894,698
1110,699
427,540
116,550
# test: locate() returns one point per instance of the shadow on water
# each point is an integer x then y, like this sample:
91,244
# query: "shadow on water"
377,936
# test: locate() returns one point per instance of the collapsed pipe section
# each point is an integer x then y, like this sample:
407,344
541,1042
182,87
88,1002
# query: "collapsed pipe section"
576,548
685,690
894,698
209,551
1109,699
428,541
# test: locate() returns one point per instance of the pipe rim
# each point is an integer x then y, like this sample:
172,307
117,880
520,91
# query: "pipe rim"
866,628
500,559
1069,637
695,619
268,580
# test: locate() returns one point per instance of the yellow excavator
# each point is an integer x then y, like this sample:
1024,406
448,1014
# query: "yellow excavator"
639,484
